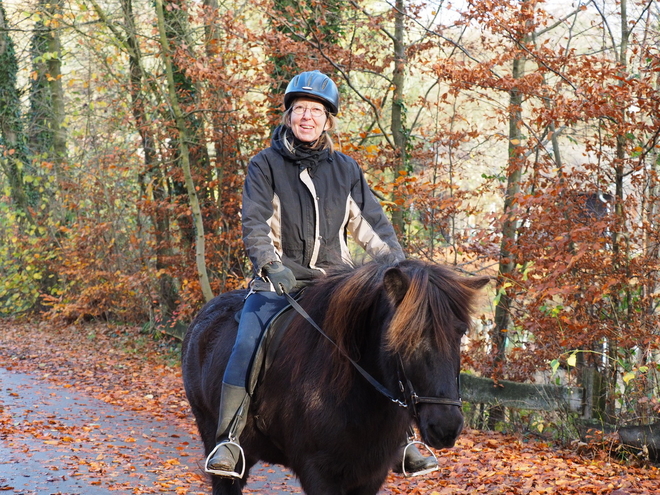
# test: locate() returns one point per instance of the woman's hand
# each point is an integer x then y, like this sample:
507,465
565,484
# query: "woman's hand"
280,276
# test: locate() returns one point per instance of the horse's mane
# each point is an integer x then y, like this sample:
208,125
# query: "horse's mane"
350,302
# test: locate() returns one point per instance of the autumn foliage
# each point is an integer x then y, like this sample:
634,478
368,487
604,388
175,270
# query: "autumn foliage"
486,130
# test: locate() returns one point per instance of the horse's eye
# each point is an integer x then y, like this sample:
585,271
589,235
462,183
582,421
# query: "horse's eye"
462,328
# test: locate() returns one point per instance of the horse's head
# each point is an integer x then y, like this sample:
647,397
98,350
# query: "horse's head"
403,322
432,311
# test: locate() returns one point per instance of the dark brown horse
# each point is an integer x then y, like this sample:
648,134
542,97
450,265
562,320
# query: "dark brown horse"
312,411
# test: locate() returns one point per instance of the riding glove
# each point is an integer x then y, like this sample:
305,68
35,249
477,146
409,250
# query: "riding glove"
280,276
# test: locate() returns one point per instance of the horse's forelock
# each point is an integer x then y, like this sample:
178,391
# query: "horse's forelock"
436,298
412,315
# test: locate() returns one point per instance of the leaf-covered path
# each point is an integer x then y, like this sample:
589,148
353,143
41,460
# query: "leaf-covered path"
65,442
97,409
57,438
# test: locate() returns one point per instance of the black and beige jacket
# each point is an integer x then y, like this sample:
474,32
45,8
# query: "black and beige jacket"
298,207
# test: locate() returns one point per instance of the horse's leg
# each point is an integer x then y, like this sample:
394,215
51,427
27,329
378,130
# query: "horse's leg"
318,486
370,488
226,486
315,479
207,432
313,482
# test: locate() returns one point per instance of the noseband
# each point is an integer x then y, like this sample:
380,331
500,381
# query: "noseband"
410,398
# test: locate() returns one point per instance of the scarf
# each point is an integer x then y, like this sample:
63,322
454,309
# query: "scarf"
299,151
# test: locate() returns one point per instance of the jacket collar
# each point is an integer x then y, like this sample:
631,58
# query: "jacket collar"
300,154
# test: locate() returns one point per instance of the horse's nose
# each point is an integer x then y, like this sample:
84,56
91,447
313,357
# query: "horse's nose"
440,425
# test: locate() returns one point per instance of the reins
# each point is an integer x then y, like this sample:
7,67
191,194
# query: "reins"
411,399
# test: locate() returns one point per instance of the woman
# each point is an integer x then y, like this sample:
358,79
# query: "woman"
300,198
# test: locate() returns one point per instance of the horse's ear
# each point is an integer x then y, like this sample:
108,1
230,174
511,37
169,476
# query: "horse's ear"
477,283
396,285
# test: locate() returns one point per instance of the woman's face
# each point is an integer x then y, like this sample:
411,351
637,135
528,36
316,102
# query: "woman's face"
308,119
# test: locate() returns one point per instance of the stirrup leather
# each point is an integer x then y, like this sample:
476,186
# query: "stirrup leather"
423,471
232,474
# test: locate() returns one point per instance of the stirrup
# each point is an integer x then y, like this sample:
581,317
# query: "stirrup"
423,471
230,474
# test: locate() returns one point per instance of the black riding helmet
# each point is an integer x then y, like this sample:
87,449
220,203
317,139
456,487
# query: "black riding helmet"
313,84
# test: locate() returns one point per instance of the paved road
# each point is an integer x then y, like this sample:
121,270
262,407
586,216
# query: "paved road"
65,443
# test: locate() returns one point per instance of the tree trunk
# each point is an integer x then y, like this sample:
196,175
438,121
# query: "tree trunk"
620,299
151,178
229,246
399,135
177,31
59,150
594,393
510,222
509,231
15,160
200,254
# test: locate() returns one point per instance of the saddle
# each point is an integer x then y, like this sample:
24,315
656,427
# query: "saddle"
268,345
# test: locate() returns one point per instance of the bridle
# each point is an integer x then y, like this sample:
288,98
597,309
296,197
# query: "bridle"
409,398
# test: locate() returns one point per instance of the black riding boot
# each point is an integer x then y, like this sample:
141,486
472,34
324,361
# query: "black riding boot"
227,455
414,463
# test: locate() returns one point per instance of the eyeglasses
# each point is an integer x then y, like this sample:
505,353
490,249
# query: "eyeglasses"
315,112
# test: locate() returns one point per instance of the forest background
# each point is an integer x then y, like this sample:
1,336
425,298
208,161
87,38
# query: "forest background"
517,138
